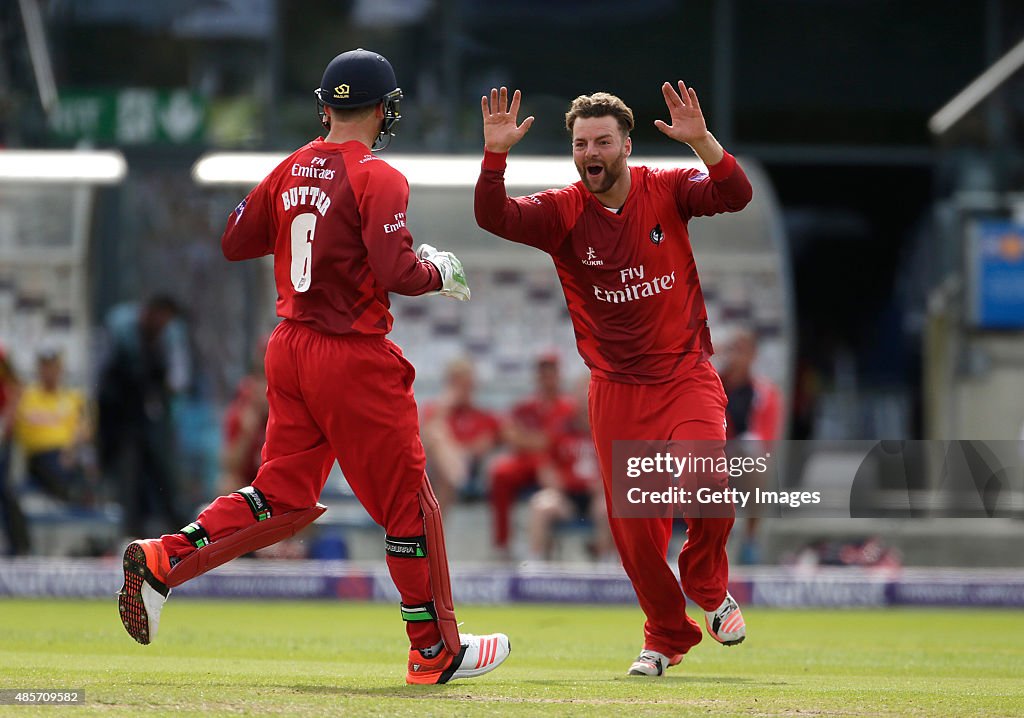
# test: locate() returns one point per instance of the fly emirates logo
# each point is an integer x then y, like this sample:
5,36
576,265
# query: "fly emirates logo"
635,286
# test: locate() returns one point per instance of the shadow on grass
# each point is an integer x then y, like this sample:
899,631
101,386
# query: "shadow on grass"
456,691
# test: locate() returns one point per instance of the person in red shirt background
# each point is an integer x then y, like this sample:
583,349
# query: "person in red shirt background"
528,431
245,425
570,483
457,434
754,412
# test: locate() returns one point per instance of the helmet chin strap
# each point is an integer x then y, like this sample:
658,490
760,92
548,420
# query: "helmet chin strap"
322,113
383,138
391,118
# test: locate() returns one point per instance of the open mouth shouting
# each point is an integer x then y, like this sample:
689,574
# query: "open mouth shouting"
595,176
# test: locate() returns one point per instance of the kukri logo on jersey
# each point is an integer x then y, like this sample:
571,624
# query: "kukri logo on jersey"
591,259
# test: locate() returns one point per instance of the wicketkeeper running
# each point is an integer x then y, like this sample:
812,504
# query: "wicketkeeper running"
333,216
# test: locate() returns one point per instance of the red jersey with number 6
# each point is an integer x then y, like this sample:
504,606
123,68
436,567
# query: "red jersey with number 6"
629,277
333,216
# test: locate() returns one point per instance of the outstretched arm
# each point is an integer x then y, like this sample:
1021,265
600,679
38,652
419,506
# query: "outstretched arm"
726,188
535,220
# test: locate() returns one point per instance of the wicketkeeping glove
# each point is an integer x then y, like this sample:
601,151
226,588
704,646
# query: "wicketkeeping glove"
453,276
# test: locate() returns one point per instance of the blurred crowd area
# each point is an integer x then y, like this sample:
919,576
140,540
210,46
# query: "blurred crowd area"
881,288
84,468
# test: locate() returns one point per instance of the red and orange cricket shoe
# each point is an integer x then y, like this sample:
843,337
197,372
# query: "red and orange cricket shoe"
144,592
725,623
478,655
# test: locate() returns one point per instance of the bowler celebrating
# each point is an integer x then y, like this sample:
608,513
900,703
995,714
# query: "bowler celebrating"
619,241
333,216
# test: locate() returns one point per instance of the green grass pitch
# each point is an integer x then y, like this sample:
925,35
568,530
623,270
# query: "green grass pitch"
320,658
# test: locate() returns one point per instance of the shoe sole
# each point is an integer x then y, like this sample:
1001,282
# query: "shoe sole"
675,660
475,672
645,675
130,603
453,673
733,642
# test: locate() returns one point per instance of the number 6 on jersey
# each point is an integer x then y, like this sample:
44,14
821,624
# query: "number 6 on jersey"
303,227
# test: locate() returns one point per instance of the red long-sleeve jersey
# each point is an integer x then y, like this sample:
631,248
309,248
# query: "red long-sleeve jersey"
333,216
629,278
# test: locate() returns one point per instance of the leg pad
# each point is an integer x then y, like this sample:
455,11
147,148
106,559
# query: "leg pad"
251,538
440,582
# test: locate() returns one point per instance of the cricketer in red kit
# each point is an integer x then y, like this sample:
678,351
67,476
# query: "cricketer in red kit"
333,216
529,429
619,242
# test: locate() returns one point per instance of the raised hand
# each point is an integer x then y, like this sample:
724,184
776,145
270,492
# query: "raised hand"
501,130
687,120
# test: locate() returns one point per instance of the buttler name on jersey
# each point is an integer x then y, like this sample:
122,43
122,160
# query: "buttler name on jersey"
315,196
635,287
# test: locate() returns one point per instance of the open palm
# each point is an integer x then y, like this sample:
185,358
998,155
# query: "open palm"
684,110
501,129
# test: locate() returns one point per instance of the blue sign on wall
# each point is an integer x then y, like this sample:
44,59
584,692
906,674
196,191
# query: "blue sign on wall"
997,274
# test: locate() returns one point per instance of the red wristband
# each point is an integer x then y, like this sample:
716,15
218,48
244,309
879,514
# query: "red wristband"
495,160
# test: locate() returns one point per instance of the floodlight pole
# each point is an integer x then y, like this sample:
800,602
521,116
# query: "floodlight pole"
42,68
724,24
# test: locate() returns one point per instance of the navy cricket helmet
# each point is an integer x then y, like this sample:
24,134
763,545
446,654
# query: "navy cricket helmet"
360,78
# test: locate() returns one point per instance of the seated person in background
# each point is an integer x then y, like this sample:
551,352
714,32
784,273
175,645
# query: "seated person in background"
457,435
571,485
755,406
52,430
754,410
528,431
245,425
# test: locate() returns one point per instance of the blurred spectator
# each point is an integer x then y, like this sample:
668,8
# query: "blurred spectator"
868,553
806,391
754,411
755,406
528,431
147,364
15,528
245,425
571,487
458,435
53,432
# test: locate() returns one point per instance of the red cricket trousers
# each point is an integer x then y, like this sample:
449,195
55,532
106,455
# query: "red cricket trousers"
510,476
346,397
688,408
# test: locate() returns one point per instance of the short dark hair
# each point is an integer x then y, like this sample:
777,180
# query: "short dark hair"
600,104
352,114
